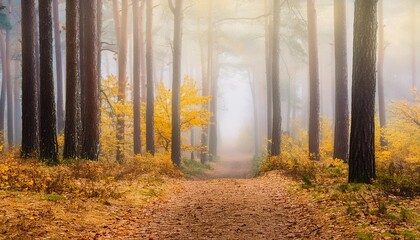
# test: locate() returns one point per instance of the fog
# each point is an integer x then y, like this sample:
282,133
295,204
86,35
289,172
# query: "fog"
239,33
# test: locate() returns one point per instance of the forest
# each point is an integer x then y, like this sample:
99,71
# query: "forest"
209,119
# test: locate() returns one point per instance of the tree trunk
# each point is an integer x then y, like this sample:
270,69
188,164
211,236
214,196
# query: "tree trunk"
150,105
142,54
136,78
269,73
90,148
255,113
122,76
381,53
413,44
80,85
275,45
17,131
48,133
341,132
176,84
72,77
362,135
313,83
3,88
211,72
59,68
9,87
30,88
204,92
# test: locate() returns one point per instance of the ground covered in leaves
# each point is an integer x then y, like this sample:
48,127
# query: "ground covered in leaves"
221,203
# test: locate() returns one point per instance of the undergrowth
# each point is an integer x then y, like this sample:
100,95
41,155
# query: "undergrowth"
80,178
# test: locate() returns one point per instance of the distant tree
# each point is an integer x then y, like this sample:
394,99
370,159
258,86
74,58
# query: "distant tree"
121,27
176,82
72,77
150,143
212,78
58,67
275,45
205,91
90,148
341,133
48,136
313,82
362,134
381,53
30,88
136,76
268,67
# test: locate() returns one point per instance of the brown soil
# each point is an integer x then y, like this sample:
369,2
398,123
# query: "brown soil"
236,208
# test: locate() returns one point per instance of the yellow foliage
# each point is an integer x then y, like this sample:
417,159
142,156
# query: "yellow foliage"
192,112
192,115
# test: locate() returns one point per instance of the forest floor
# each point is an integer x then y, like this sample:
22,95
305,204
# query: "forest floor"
222,203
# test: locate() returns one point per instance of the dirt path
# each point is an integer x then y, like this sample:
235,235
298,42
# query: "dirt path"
228,208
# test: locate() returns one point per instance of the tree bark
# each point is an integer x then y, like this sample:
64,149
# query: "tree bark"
58,68
142,54
275,44
17,131
136,78
72,77
413,44
3,87
204,92
212,78
269,72
30,88
90,148
176,85
48,133
362,135
150,105
122,76
341,132
313,82
9,87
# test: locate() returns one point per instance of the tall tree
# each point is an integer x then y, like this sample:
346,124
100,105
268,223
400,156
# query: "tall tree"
9,84
90,148
313,82
17,104
413,43
121,26
362,134
212,78
72,77
275,45
30,88
58,68
136,77
268,69
150,108
48,135
381,53
141,53
205,91
176,83
341,132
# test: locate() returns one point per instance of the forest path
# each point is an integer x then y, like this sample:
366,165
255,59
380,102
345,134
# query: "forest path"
230,165
259,208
